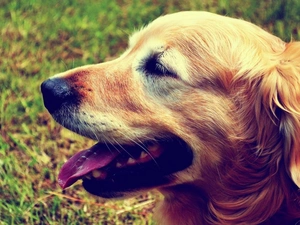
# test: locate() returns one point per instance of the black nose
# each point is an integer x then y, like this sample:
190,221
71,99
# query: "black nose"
57,92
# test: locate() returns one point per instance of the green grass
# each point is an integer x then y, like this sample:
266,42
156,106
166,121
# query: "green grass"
42,37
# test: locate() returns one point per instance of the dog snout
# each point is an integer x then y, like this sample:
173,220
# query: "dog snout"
56,93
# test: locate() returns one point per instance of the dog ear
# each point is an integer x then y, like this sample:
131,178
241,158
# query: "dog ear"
281,90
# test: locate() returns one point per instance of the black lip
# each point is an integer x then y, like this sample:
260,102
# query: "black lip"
176,157
120,183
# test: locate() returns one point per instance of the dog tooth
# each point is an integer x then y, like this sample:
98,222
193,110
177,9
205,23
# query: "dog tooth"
96,173
131,161
119,165
143,155
99,174
153,148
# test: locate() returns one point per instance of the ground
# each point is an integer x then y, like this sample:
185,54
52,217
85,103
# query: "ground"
41,38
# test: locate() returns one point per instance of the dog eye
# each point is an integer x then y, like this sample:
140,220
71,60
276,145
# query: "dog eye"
153,67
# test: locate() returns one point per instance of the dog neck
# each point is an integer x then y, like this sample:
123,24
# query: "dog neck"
190,205
182,204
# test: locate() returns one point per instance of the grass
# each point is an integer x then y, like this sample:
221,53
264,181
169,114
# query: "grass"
42,37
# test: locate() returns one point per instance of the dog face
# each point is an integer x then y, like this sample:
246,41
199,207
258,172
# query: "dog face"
190,98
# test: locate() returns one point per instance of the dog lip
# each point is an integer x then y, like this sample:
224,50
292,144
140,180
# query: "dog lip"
101,155
136,171
170,155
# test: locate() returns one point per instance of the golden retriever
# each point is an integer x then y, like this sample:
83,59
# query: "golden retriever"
203,107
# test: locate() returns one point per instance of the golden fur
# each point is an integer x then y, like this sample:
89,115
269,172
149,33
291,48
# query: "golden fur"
233,96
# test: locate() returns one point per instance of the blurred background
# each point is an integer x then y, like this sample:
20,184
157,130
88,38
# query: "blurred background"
40,38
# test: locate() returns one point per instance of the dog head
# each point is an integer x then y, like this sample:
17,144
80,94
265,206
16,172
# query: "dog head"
197,99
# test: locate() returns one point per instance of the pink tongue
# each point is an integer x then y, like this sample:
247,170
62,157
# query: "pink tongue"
84,162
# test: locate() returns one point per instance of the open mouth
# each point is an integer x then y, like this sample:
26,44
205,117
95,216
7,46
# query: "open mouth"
110,170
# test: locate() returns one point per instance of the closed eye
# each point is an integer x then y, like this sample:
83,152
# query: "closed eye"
152,66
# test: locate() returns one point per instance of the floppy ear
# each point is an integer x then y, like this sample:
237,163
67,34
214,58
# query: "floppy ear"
282,93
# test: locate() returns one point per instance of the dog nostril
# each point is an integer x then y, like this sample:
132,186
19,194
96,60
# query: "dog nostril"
56,92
